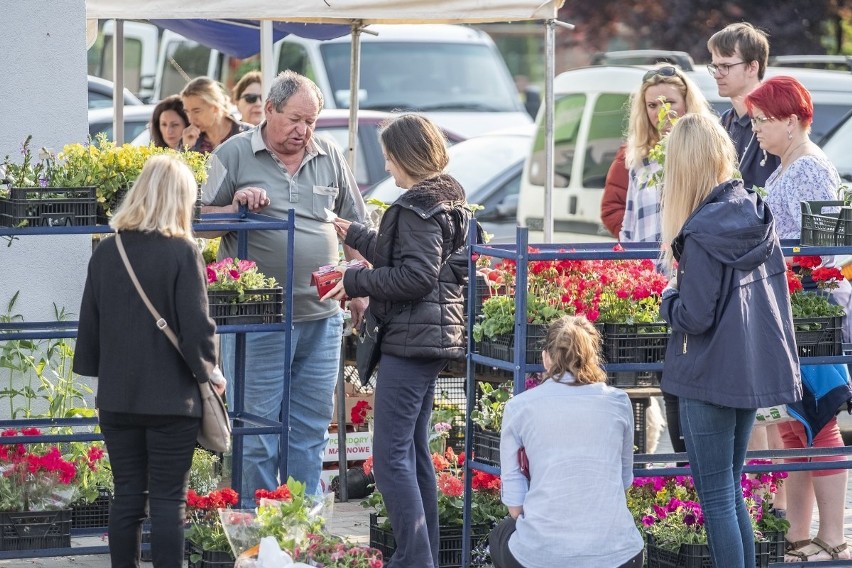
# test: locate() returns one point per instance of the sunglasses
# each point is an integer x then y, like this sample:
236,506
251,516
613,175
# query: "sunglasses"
667,71
251,99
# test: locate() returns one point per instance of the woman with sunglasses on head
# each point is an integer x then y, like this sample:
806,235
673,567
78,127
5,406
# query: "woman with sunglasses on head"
248,95
781,113
661,86
211,123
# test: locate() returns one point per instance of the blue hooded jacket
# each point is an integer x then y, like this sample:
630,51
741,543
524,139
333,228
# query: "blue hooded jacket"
826,389
732,340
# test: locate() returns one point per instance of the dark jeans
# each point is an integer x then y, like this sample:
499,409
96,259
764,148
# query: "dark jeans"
402,463
501,556
150,457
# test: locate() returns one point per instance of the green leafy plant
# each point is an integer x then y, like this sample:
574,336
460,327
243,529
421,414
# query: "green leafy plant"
204,528
203,476
235,275
488,412
290,515
811,304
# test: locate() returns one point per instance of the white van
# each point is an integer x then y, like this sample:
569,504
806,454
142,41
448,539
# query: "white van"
141,41
590,119
454,74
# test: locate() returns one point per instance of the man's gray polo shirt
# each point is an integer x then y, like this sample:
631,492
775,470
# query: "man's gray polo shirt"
323,181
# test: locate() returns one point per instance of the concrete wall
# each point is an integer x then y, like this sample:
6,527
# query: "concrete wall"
43,92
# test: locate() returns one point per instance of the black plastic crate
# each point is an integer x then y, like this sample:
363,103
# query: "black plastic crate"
48,207
776,541
266,305
635,342
826,228
29,530
694,555
209,559
640,423
819,336
449,547
633,379
92,515
486,446
502,347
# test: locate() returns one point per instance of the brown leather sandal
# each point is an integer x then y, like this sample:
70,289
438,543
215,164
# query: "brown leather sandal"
793,545
833,551
816,550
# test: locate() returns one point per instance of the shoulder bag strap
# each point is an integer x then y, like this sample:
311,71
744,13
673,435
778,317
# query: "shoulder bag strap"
162,325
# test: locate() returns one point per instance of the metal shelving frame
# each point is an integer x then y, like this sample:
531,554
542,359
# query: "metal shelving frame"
519,253
244,423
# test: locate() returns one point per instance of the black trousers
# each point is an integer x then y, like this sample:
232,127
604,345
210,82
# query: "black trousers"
150,457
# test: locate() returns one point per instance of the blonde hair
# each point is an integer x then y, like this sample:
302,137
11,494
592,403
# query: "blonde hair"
209,91
161,200
642,133
574,346
700,156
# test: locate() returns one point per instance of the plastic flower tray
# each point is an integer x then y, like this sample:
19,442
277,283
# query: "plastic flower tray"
210,559
776,542
92,515
640,423
486,446
265,306
502,347
826,229
449,548
819,336
35,529
48,207
694,555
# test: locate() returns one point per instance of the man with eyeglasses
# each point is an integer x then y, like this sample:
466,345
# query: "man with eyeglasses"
739,56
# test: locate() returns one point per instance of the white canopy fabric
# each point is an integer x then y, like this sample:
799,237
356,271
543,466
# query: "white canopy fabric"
330,11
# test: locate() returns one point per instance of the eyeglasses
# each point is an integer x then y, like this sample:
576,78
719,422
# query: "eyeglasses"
760,120
251,99
722,68
667,71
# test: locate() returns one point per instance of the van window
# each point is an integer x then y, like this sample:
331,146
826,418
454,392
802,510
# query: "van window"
423,76
567,114
294,57
132,62
605,135
185,60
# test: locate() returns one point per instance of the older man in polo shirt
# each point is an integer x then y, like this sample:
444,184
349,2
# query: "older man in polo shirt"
275,167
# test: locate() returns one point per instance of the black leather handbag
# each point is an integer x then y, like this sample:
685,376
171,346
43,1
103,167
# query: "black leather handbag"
369,348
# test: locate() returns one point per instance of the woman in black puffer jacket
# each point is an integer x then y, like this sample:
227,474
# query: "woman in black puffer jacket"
415,290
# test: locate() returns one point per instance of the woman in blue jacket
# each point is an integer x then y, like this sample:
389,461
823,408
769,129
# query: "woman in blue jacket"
732,348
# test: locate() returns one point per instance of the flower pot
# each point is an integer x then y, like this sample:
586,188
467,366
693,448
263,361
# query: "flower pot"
28,530
486,446
694,555
94,514
449,548
48,207
265,305
819,336
209,558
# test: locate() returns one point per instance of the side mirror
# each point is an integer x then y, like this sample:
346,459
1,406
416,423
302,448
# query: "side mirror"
508,207
532,100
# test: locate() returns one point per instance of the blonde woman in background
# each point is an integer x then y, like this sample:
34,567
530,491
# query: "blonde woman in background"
248,96
148,400
210,120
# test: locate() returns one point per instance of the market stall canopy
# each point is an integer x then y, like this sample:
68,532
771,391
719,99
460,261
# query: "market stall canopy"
329,11
241,38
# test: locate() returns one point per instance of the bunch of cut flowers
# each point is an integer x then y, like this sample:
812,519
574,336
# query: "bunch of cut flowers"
239,276
667,508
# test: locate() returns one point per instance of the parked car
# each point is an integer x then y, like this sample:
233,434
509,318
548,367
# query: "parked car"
101,91
590,119
838,148
830,62
489,168
136,118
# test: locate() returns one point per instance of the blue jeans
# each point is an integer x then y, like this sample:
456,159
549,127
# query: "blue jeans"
716,442
315,366
402,462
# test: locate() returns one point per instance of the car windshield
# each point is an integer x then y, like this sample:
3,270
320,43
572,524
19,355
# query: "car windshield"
473,163
422,76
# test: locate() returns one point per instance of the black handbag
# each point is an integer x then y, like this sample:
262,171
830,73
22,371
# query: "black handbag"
368,350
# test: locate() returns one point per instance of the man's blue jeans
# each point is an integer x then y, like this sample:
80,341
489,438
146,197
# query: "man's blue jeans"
314,372
716,442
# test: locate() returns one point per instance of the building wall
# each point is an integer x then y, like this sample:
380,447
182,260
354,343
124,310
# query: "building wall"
44,93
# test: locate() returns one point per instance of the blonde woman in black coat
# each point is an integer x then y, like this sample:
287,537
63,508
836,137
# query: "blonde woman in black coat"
147,396
415,289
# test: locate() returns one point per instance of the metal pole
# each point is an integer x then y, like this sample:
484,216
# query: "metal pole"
267,57
118,83
549,67
354,86
342,475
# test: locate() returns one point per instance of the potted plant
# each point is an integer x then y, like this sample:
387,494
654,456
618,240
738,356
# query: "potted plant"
239,294
486,510
817,321
487,417
667,510
37,482
208,544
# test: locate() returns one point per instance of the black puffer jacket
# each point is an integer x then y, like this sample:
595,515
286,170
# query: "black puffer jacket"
416,280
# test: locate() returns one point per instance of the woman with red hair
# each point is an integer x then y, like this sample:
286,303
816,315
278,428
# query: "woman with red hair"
781,114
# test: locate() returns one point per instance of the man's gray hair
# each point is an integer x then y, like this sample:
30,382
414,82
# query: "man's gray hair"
287,84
